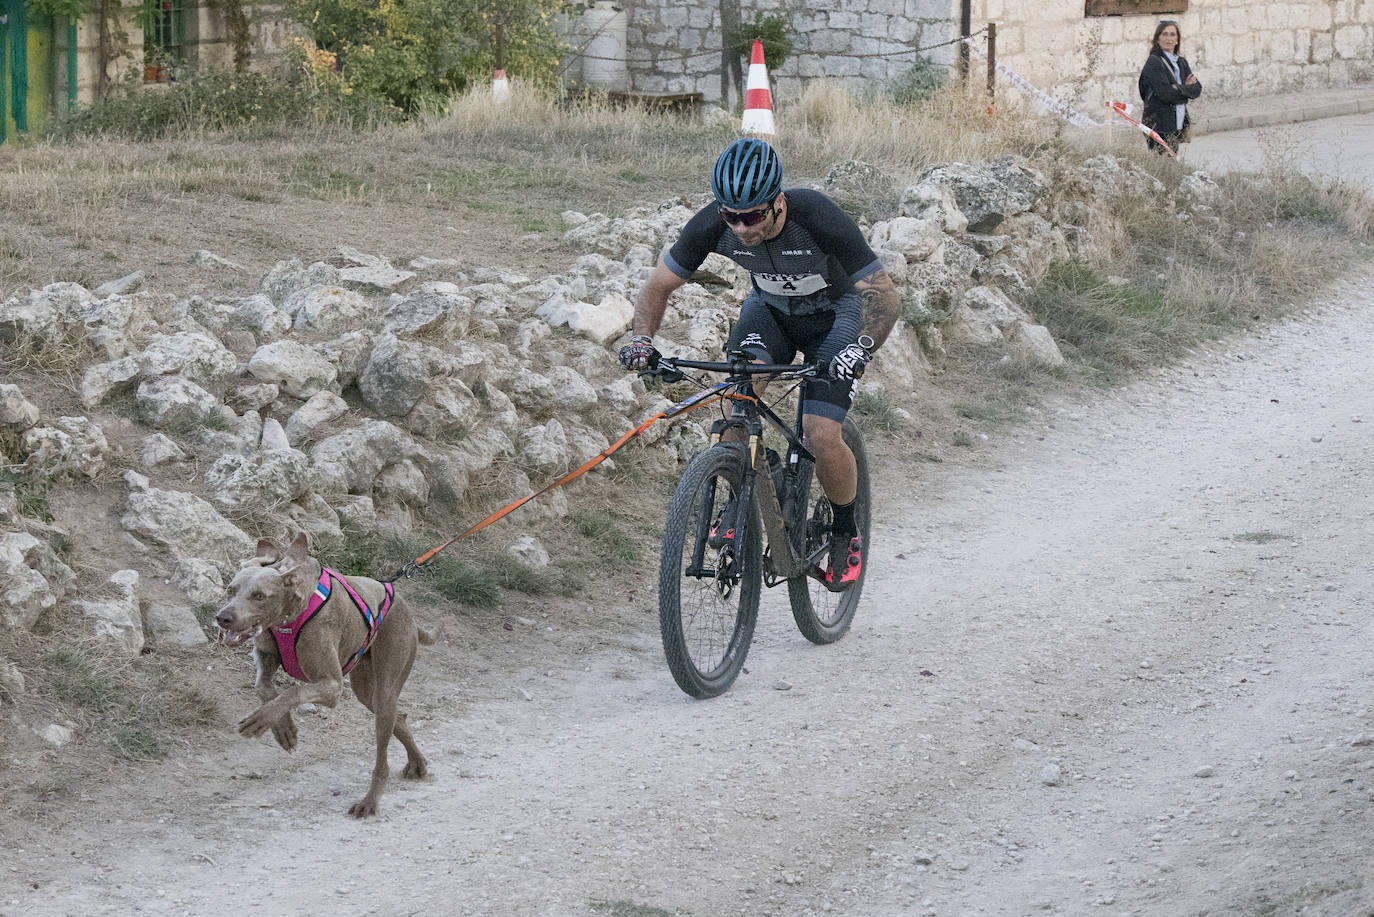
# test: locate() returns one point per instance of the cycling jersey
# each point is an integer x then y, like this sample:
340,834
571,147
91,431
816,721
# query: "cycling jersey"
808,267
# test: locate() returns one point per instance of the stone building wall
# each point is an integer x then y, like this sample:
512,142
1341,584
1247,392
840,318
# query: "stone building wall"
674,45
207,46
1239,48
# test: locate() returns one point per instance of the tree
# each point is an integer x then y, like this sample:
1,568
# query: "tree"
416,53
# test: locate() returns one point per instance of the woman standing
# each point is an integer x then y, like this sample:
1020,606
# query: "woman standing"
1167,84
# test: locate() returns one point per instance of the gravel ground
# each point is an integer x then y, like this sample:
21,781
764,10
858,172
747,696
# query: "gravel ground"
1118,663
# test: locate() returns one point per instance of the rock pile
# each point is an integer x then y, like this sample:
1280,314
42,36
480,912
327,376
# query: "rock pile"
351,392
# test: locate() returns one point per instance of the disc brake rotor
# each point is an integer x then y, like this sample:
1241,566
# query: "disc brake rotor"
727,574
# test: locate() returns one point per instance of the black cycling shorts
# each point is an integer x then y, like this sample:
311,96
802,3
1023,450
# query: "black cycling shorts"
776,337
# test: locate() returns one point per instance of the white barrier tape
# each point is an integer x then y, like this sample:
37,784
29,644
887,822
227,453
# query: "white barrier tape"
1121,108
1045,99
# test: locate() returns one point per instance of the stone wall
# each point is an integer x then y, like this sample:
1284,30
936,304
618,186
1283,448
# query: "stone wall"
1238,48
674,44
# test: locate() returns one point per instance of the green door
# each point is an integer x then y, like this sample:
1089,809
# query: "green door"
26,75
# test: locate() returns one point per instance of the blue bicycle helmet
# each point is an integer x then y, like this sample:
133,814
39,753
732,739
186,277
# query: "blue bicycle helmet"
748,174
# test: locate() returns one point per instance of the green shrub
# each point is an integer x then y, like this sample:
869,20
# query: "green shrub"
607,536
218,101
456,580
772,31
919,82
877,409
417,54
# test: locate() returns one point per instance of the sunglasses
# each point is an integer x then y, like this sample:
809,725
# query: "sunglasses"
747,218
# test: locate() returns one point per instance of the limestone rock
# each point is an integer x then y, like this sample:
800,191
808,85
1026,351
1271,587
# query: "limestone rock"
544,449
159,450
174,625
195,357
174,403
101,380
35,579
319,410
329,309
186,525
429,313
117,621
199,578
300,371
261,483
529,552
349,461
602,322
16,411
72,446
1034,344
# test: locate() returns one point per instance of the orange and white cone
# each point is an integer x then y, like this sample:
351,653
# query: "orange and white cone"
500,86
758,101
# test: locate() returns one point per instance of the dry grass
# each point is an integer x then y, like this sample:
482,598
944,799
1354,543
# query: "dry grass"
829,124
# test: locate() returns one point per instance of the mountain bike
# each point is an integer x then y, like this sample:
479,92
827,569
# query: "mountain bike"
731,495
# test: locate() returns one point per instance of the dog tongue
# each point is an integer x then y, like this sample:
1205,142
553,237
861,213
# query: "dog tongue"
234,638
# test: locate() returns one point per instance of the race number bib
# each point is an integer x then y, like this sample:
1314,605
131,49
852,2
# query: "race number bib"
790,284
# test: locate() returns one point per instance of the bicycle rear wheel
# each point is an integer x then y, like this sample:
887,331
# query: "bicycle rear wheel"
821,615
708,597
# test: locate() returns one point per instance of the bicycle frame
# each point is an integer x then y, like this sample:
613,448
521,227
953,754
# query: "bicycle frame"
738,388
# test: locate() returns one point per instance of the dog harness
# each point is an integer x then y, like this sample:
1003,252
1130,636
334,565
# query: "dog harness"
287,634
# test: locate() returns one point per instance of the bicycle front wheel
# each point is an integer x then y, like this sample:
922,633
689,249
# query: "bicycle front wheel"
708,580
821,615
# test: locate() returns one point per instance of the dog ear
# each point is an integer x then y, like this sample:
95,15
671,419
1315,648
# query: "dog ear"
268,553
299,551
294,561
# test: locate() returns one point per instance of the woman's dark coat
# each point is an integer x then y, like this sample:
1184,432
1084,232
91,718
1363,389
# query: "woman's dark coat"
1160,93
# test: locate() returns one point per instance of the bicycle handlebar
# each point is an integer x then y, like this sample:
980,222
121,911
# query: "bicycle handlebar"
739,367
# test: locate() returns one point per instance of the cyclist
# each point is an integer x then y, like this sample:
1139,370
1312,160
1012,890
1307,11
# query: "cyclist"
818,288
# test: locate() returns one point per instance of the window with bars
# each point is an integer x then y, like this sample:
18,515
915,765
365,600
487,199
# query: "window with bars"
164,37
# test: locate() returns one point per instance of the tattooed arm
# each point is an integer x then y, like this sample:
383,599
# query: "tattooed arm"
882,306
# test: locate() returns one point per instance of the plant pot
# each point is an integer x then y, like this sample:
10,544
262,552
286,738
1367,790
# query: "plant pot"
154,74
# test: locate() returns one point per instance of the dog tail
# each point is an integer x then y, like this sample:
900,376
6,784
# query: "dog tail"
426,637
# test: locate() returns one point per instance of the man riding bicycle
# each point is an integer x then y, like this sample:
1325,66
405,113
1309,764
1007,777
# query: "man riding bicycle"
818,289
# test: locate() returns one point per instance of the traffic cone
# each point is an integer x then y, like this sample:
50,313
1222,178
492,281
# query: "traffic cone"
758,102
500,86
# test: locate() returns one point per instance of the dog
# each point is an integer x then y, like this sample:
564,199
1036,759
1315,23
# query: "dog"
319,626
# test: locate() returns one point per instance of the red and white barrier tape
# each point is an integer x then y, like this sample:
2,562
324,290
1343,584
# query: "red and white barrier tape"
1121,108
1067,112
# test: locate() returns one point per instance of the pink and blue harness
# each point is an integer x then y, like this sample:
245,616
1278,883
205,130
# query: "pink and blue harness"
287,634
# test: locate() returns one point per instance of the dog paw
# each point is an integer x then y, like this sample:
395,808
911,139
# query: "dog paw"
416,768
365,808
285,734
254,724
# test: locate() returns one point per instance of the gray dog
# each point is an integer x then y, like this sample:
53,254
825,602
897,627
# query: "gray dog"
320,626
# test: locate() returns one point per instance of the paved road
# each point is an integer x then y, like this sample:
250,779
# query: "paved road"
1341,148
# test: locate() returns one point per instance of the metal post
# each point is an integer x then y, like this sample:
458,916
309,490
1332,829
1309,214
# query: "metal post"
19,66
4,67
500,45
992,59
965,29
71,65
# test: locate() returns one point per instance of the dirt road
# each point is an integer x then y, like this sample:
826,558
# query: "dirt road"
1121,662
